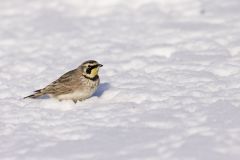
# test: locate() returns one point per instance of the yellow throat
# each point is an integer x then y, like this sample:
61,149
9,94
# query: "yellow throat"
94,72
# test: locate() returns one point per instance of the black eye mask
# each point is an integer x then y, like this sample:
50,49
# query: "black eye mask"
89,69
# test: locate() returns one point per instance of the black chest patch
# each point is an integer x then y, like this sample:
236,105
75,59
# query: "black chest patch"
93,78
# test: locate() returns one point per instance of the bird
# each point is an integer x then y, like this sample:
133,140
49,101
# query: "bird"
76,85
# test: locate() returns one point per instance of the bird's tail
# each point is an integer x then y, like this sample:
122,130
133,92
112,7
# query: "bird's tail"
38,93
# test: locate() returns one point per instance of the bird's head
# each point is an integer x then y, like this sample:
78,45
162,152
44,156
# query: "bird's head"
90,68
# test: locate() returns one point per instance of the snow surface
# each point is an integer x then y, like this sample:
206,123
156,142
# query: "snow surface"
169,86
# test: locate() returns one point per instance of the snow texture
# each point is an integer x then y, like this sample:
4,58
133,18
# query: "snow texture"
169,86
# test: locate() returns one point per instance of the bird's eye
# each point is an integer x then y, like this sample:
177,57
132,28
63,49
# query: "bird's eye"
88,71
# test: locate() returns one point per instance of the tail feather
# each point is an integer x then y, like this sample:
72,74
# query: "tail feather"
38,93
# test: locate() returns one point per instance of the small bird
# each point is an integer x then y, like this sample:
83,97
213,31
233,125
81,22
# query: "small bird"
76,85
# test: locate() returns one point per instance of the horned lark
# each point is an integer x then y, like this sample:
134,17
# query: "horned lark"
77,85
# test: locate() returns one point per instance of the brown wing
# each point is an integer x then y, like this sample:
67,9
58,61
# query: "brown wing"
67,83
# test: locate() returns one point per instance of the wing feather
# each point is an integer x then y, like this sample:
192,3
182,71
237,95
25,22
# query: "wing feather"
65,84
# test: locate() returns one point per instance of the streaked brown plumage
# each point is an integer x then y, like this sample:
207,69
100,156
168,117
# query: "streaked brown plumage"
78,84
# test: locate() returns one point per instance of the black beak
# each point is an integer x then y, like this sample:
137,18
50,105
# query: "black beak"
100,65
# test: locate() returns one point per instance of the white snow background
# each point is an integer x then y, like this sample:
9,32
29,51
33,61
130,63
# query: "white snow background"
170,85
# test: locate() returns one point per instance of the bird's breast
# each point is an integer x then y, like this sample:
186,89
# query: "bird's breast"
81,94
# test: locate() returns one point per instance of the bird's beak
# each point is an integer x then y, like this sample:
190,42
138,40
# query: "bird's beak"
100,65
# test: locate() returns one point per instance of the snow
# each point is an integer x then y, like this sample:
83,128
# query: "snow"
169,85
